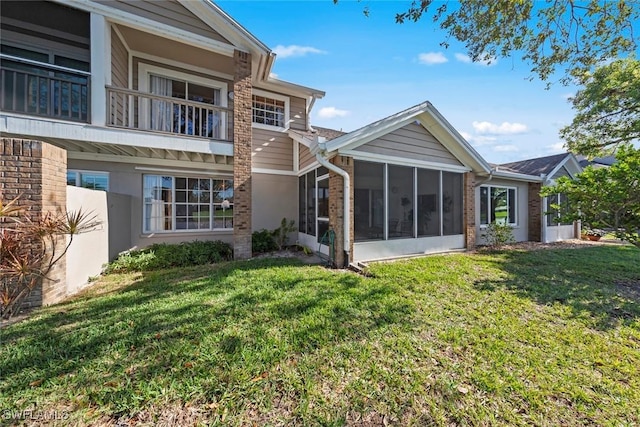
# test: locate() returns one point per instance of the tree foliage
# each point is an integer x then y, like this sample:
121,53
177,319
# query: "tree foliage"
576,35
607,197
31,247
608,109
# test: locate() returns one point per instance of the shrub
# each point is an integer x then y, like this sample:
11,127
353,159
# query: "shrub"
498,235
281,234
263,241
162,255
30,248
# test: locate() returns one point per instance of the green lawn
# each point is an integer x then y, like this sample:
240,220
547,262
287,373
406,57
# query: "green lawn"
548,337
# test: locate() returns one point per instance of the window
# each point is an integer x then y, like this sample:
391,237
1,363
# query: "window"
270,110
400,202
87,179
368,201
553,213
194,111
186,203
313,199
428,202
497,204
452,204
393,202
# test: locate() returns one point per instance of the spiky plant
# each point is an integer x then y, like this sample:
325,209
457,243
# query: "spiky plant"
31,247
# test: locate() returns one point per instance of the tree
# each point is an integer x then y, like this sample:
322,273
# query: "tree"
575,34
31,247
608,109
607,197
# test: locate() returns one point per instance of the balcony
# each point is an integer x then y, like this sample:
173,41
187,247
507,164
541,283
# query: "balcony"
40,89
131,109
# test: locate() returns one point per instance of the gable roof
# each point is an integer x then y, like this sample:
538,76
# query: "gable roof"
538,166
427,116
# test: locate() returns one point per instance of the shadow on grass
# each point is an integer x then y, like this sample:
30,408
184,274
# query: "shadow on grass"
601,282
210,327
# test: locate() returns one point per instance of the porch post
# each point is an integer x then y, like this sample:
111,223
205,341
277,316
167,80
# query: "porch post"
470,210
242,155
336,209
100,68
535,212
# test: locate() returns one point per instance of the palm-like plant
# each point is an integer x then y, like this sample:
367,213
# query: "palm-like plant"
31,247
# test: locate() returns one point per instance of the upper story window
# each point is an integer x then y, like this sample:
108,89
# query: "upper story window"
88,179
195,110
498,204
270,110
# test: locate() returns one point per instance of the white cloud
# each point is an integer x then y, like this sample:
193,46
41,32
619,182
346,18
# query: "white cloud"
432,58
478,140
558,147
505,148
489,62
331,112
463,58
505,128
295,50
273,75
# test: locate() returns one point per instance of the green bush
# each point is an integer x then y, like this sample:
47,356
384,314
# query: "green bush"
498,235
162,255
281,234
263,241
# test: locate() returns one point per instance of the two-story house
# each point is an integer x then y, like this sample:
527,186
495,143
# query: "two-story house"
168,102
168,109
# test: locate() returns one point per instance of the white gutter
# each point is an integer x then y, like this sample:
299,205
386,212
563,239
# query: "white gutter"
346,196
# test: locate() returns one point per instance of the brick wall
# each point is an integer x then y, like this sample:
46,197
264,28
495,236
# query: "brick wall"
36,171
242,155
470,209
535,212
336,207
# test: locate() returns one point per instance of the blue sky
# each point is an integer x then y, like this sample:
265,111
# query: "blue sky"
371,67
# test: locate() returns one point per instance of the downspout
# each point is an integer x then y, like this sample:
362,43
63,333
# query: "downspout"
309,108
346,197
489,178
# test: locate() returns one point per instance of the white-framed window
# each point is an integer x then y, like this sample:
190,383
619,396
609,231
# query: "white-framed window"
189,114
554,214
269,110
88,179
182,203
498,204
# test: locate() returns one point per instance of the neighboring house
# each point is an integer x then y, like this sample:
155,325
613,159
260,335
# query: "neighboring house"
548,169
167,108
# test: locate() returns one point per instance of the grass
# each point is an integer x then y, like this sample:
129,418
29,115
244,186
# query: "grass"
548,337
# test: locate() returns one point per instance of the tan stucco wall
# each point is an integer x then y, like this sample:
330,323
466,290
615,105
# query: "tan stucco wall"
274,197
88,251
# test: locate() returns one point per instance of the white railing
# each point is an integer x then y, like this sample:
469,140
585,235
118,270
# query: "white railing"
132,109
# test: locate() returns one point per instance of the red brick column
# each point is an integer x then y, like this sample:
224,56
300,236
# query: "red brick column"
242,155
470,209
36,171
535,212
336,207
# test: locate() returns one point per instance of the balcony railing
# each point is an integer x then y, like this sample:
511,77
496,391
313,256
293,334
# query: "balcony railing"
132,109
32,87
